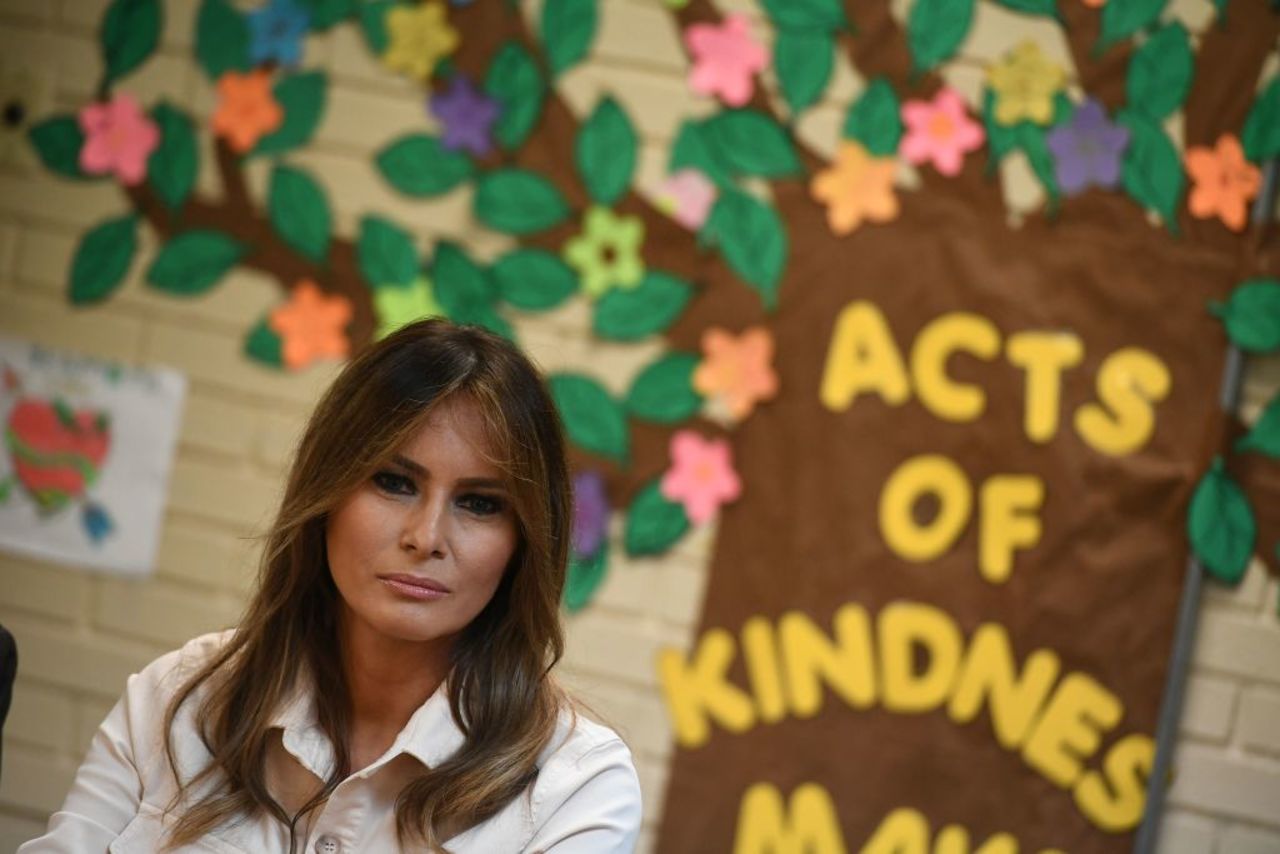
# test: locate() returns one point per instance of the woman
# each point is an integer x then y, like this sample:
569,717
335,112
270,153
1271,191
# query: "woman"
388,685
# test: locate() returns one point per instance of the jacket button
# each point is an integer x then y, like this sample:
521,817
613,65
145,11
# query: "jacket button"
328,845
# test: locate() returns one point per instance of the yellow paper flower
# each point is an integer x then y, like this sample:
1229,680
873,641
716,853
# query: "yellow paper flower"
397,305
1025,82
857,187
420,37
607,252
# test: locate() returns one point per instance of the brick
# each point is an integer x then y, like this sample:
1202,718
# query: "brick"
1231,644
645,34
178,20
365,122
80,660
40,716
1238,839
8,253
1209,707
1184,833
1208,779
49,198
35,780
669,587
1022,190
16,829
1195,15
820,128
351,61
995,30
613,365
1258,726
43,588
276,438
241,499
194,554
656,104
1247,595
96,332
602,646
216,425
216,359
26,11
155,610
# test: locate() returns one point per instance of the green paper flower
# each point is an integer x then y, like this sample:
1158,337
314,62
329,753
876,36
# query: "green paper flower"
397,305
607,252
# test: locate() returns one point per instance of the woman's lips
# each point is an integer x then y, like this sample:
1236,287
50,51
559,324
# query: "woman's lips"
414,586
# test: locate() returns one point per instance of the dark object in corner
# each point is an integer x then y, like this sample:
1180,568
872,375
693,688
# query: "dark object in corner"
8,670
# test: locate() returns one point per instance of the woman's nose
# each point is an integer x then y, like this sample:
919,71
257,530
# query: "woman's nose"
424,531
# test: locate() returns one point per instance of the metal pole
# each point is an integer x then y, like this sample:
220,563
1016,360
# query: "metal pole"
1189,606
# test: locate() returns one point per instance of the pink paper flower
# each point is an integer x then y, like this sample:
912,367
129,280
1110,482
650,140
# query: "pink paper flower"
939,131
725,59
701,476
687,196
118,137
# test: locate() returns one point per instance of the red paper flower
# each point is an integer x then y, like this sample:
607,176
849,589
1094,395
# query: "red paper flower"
118,137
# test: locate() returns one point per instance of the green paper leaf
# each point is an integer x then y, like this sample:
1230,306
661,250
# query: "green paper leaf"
935,30
593,420
568,26
751,239
462,287
326,13
386,253
222,39
418,165
1152,170
1033,140
654,524
194,261
1121,20
1264,436
649,308
803,61
1261,134
299,212
663,392
820,15
584,576
874,119
171,168
693,150
748,142
1221,525
58,141
1160,73
130,32
1046,8
1221,7
1026,136
605,152
302,97
515,82
102,259
1252,315
517,201
263,345
533,279
373,24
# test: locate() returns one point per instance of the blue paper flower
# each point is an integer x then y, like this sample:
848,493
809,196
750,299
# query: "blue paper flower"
276,32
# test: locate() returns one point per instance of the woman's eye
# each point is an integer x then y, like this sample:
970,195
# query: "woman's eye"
481,505
396,484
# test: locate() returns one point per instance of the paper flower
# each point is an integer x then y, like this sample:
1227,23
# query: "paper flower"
738,370
857,187
1224,182
420,36
607,252
939,131
1087,150
590,513
725,59
468,116
687,196
24,93
276,32
118,137
311,325
1095,4
247,109
397,305
701,476
1025,82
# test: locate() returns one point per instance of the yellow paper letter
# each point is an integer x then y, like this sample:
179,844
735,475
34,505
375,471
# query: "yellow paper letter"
904,626
941,395
918,476
862,358
989,674
811,659
1044,356
700,690
810,826
1071,728
1010,520
1116,803
1130,382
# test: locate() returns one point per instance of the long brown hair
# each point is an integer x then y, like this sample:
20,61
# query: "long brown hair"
500,691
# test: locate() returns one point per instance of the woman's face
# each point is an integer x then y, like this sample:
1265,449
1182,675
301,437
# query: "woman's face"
418,549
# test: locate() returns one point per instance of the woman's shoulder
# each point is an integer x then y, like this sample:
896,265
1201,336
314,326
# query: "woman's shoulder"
584,745
185,659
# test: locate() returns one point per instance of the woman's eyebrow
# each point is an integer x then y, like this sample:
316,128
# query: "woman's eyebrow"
421,471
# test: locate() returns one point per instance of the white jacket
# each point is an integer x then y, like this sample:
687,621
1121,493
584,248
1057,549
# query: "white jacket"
586,799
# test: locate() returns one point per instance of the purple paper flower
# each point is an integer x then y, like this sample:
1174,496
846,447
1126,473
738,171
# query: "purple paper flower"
276,32
590,513
468,116
1087,149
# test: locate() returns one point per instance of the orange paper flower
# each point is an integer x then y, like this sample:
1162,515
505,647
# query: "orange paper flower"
311,325
247,109
1224,182
737,370
857,187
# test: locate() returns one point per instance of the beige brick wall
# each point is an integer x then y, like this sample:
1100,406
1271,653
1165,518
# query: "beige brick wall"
81,634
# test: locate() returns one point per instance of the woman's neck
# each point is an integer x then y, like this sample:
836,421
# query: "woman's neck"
388,678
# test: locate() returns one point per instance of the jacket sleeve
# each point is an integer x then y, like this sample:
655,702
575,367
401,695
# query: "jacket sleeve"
587,804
